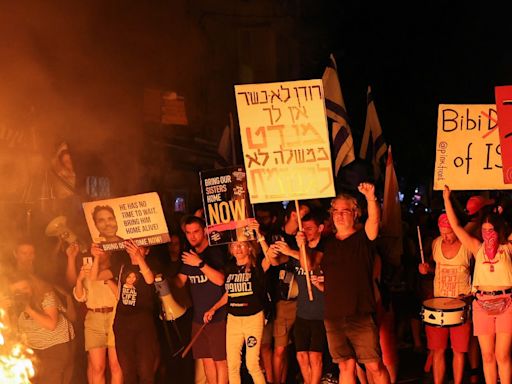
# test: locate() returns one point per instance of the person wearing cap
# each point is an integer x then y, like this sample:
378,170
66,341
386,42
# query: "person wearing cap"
492,289
451,279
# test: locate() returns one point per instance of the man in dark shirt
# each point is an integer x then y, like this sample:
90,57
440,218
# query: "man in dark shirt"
347,262
284,287
203,269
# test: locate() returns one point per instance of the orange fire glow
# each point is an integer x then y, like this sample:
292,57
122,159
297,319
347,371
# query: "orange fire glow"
15,359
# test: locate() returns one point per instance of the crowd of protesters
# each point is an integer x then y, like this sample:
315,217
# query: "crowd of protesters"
248,310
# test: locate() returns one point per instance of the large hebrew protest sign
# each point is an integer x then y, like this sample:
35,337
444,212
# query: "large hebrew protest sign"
468,153
285,141
227,209
137,217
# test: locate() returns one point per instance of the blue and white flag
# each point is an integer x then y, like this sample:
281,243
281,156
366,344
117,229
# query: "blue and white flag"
342,143
373,147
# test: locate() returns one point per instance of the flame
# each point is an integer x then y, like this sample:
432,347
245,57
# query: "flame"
15,358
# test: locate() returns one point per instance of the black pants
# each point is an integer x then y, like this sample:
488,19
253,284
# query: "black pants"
137,348
173,368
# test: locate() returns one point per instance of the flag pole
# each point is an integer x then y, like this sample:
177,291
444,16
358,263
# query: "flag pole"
303,254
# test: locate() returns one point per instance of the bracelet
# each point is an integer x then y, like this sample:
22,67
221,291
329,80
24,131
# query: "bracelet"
260,239
374,199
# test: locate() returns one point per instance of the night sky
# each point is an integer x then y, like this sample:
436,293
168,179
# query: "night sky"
85,62
414,58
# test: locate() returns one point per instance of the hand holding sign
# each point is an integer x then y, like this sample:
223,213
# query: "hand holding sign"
136,253
97,251
300,238
446,193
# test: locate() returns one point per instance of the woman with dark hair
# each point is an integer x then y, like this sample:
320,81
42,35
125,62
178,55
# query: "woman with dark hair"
246,299
492,289
134,327
36,311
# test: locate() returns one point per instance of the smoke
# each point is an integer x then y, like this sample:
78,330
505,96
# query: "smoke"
75,72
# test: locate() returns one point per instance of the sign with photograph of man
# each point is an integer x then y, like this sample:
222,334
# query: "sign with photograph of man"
227,209
285,141
137,217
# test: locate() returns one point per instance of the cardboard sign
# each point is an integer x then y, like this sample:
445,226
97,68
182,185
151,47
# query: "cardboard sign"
468,154
226,205
137,217
504,108
285,140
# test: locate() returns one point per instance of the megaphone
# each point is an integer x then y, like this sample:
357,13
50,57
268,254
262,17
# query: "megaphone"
58,228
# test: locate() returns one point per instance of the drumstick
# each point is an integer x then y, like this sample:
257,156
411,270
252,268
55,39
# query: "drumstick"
194,339
421,246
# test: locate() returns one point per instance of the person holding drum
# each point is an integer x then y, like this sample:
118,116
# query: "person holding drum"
492,288
451,280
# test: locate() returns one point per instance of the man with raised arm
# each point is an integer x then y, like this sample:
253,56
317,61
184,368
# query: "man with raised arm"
347,263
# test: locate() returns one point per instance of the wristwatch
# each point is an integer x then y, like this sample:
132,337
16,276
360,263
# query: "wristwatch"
201,264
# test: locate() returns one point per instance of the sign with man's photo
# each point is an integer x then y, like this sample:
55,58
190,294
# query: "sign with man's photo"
137,217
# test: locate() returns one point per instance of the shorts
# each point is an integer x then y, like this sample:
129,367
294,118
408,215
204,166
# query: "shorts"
309,335
286,311
211,343
266,338
98,331
485,324
437,337
353,337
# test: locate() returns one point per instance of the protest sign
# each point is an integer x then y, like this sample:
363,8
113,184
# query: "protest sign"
283,128
137,217
504,108
226,205
468,155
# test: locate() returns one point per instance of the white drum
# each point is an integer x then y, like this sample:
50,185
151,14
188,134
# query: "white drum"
444,312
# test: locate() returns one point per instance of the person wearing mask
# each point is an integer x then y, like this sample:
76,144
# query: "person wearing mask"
492,288
40,320
451,279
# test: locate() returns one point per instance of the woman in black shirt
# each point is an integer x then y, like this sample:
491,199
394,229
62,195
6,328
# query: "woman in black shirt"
245,298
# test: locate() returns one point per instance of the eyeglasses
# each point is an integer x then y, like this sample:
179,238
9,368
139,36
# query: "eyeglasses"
342,212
